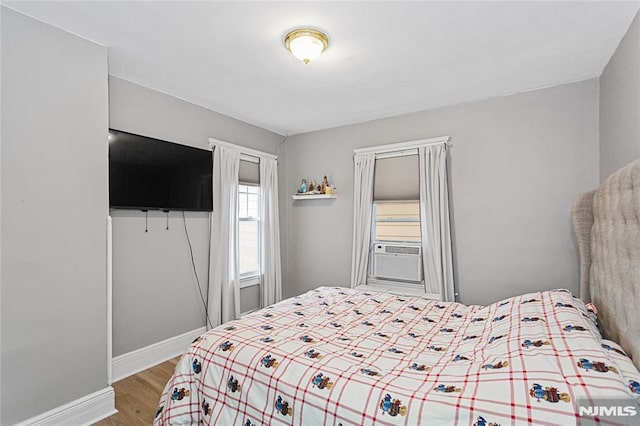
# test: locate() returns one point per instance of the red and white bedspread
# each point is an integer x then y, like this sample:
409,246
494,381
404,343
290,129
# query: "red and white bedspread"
337,356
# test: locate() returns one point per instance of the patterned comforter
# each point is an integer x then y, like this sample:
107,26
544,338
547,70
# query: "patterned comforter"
337,356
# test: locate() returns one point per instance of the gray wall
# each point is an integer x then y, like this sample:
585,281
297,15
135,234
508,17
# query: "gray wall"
155,295
518,162
54,210
284,183
620,104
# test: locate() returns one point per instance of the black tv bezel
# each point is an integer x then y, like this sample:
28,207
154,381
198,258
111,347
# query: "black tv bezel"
149,208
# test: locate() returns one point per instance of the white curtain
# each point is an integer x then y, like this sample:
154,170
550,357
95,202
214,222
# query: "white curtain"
434,221
362,207
270,233
224,294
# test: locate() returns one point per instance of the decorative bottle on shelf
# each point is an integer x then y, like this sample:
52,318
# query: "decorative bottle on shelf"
303,187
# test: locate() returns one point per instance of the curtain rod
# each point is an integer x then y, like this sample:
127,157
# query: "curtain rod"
243,150
402,146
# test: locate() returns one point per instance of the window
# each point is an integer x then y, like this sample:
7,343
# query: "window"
395,226
249,230
396,221
396,195
389,251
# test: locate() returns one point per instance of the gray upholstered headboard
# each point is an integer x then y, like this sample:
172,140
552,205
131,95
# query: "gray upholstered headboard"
607,226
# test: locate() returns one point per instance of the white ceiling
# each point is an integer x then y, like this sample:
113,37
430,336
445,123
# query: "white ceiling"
384,58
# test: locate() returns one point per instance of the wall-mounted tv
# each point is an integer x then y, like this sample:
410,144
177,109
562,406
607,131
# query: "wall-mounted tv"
150,174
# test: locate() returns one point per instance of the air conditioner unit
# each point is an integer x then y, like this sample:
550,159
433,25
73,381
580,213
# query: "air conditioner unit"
401,262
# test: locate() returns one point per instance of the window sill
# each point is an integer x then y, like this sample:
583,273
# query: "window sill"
250,281
399,288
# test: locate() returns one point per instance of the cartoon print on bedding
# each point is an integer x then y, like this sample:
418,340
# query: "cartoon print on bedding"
206,408
494,338
598,366
233,385
460,358
574,327
322,381
482,422
497,365
392,406
532,319
538,343
549,394
611,348
227,346
269,362
179,394
283,407
419,367
436,348
447,388
313,354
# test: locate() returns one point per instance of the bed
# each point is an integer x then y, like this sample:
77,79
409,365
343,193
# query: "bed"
337,356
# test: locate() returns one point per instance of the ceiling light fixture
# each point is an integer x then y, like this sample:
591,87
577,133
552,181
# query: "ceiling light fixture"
306,44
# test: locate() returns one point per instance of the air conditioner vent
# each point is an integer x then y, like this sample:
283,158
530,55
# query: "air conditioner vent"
401,262
402,250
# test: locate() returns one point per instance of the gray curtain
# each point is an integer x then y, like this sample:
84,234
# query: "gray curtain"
224,293
434,221
364,165
270,232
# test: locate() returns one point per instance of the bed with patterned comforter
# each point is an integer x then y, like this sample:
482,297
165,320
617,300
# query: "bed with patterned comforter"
337,356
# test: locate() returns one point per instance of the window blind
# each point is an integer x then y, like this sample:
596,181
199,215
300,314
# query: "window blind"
249,172
397,179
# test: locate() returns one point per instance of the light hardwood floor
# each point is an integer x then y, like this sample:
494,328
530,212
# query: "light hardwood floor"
137,396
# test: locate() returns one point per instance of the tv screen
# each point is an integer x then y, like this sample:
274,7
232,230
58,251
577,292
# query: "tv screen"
150,174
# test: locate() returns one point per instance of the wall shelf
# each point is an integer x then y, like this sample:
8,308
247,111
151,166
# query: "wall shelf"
314,197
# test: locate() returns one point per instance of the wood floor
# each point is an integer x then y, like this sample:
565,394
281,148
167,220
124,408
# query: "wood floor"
137,396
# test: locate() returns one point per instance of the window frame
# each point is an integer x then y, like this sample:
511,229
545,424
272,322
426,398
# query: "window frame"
250,278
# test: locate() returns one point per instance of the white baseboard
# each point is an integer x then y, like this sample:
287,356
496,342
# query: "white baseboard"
133,362
83,411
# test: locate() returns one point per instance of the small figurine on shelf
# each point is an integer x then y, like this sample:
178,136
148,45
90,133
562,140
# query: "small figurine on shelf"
312,186
303,187
325,185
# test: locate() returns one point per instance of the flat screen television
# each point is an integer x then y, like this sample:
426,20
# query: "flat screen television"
151,174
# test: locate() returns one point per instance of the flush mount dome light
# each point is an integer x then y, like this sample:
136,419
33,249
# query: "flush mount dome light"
306,44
